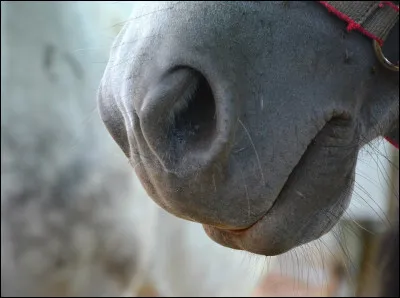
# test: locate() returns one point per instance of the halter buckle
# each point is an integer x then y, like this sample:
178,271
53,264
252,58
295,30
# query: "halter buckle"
382,59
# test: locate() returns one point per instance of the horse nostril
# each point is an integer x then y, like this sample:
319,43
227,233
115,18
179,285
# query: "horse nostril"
185,125
194,119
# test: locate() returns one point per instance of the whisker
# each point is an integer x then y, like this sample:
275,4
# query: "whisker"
255,151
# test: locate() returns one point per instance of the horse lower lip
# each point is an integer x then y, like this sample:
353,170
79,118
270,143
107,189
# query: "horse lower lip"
235,231
240,231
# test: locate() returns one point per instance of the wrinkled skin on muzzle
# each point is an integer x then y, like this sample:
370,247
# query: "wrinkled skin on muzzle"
246,117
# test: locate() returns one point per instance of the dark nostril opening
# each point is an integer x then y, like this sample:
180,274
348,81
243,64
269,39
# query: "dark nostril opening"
194,124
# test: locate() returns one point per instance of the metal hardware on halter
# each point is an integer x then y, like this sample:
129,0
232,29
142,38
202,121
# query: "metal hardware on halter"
382,59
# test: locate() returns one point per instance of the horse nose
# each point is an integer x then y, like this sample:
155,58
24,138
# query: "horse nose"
187,124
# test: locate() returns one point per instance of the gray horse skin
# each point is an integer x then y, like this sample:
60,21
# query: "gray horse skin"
247,117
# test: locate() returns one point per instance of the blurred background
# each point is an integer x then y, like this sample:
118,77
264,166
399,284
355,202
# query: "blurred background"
75,220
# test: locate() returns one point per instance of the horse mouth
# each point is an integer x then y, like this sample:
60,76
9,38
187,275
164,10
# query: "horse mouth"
240,231
244,238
